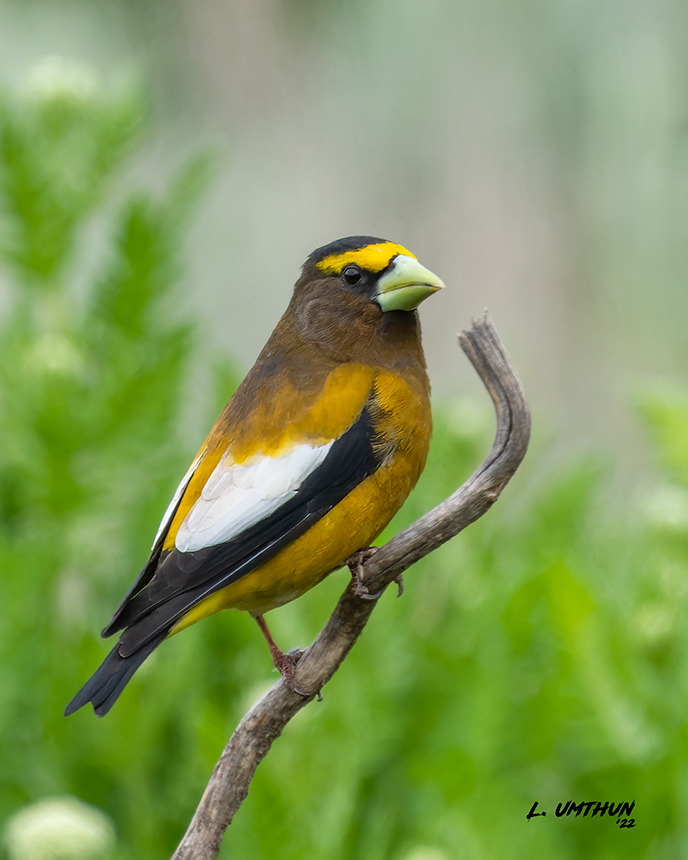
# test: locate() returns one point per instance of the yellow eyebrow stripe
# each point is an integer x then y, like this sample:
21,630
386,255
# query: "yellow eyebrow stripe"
373,258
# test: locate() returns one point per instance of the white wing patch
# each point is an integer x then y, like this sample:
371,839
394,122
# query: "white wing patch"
164,522
237,496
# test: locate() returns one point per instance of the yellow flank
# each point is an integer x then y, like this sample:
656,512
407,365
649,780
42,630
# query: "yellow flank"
373,258
352,524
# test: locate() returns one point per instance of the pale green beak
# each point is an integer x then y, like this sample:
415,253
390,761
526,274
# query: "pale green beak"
405,285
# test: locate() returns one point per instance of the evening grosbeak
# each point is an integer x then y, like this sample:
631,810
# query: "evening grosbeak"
310,459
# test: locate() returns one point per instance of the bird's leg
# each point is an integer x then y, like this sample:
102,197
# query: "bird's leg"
284,663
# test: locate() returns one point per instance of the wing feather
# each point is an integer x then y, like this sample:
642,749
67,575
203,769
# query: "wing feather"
168,516
184,578
241,495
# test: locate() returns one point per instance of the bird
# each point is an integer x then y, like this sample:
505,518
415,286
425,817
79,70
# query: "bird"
313,455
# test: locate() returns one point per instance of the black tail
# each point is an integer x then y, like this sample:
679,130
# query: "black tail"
111,677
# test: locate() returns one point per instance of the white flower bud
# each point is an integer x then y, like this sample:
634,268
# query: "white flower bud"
59,828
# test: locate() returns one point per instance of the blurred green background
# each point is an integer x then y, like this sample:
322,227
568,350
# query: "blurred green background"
164,170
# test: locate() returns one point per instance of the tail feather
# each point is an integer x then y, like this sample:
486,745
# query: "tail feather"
105,685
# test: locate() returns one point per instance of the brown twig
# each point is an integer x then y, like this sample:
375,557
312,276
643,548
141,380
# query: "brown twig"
253,737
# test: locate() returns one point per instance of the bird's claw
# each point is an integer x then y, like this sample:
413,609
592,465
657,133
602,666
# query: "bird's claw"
287,667
286,663
355,563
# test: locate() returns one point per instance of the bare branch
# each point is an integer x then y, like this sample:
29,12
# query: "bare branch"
253,737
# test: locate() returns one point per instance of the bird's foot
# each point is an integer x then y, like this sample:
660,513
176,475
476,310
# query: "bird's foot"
356,563
284,663
286,669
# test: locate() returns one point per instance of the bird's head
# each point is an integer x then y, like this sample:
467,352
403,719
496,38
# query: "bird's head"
372,270
358,296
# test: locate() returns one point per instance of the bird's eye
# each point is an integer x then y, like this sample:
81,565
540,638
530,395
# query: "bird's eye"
351,275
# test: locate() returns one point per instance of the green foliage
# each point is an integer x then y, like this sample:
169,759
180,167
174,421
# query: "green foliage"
537,657
666,414
94,360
